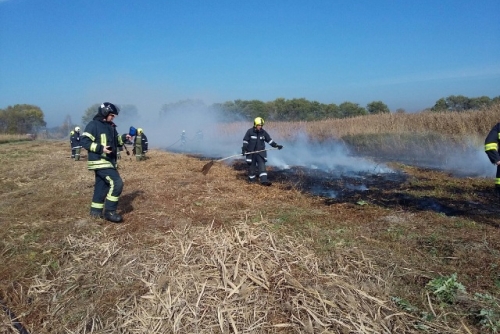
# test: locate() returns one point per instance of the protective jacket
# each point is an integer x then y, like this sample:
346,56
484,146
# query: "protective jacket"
74,139
97,135
255,140
491,144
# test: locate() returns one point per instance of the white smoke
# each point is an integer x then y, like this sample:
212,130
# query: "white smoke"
221,139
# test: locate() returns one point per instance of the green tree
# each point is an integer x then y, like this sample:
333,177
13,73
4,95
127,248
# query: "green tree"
276,108
479,102
457,103
332,111
21,118
296,109
440,105
350,109
377,107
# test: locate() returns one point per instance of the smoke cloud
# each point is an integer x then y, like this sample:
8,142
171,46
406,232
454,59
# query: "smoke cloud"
221,139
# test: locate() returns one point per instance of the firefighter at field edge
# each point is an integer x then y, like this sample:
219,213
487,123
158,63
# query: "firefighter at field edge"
255,139
101,140
74,140
183,138
491,148
140,145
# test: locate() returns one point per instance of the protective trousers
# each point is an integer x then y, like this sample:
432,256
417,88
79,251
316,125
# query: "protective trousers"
77,152
138,148
258,164
107,190
497,181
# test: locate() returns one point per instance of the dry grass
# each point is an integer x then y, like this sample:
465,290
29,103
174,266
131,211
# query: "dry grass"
15,138
212,254
452,125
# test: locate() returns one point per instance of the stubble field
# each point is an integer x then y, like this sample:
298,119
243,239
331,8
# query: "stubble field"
212,254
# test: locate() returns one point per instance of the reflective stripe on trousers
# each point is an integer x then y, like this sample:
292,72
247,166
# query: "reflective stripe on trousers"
107,190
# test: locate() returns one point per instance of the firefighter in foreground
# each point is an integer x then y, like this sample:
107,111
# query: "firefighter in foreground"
101,140
140,145
74,140
491,148
255,140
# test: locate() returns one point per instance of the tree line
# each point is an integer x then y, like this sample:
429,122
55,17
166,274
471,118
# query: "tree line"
280,109
463,103
302,109
26,118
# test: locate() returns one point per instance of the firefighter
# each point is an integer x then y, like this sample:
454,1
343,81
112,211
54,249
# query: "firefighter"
140,145
491,149
74,140
101,140
255,139
183,138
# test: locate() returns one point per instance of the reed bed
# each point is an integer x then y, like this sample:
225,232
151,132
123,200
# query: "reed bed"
428,135
453,125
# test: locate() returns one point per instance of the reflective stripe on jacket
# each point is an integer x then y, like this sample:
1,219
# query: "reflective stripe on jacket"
74,139
491,144
256,140
97,135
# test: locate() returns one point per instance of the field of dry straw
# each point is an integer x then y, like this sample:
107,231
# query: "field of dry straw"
212,254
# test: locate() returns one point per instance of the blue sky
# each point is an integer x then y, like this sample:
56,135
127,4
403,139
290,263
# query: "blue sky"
65,56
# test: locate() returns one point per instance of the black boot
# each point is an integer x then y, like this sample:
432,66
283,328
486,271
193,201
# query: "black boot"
96,214
265,183
112,216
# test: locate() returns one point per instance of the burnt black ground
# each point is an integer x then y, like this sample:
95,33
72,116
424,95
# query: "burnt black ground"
395,190
389,190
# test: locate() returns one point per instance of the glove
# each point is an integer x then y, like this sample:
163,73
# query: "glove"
279,147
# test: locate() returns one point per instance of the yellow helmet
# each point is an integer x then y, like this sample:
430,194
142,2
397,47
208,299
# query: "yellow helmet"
140,131
258,121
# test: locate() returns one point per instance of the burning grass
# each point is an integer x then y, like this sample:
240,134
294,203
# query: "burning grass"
209,253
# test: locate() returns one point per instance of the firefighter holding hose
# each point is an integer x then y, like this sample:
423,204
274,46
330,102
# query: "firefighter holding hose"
255,139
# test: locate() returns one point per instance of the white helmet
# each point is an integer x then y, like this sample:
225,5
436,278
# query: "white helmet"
77,128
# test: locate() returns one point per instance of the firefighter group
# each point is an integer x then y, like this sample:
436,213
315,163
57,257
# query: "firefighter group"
103,144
